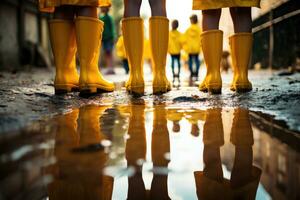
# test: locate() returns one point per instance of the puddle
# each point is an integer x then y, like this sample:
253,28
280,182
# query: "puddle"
145,151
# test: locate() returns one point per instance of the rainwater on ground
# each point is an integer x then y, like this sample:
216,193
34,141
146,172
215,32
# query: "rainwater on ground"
151,150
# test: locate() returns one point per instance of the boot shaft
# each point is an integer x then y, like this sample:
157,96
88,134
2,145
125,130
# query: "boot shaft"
241,48
133,33
63,42
159,40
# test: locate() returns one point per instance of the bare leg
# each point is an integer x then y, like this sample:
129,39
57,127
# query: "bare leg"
241,18
211,19
132,8
158,7
87,11
64,12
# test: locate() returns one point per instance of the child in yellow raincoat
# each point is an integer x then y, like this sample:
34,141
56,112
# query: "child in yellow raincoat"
76,26
175,46
192,45
240,42
133,32
121,53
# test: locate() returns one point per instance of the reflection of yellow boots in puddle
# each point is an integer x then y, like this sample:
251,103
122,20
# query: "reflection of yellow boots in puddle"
89,124
78,174
193,116
210,183
213,133
136,150
244,177
160,147
175,116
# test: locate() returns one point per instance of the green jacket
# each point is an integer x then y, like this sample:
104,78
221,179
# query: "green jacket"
109,28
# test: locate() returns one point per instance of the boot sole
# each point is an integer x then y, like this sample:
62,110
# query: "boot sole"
241,88
94,89
160,90
64,89
212,89
136,90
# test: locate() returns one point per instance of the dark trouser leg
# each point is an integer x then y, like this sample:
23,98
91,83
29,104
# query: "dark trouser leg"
126,65
173,65
191,64
197,65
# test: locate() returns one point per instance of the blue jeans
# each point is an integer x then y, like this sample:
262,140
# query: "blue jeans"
175,58
194,58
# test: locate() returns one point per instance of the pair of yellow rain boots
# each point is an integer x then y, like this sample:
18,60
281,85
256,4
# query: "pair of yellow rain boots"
85,35
133,33
241,47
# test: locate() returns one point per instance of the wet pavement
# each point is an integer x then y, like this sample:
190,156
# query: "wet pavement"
29,96
181,145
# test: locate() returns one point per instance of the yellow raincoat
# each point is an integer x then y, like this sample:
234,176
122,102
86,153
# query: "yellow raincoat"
215,4
175,42
121,53
192,40
49,5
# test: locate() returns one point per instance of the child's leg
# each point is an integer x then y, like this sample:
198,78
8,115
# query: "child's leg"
212,42
132,8
241,47
158,7
133,33
191,65
159,40
197,65
173,58
64,13
89,34
179,65
63,42
241,18
126,65
87,11
211,19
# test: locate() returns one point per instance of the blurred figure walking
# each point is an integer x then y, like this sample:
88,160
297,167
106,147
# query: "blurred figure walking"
192,45
175,46
108,38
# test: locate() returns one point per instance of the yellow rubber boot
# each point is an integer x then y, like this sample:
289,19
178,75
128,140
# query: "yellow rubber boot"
241,48
159,40
89,34
133,33
63,42
212,45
